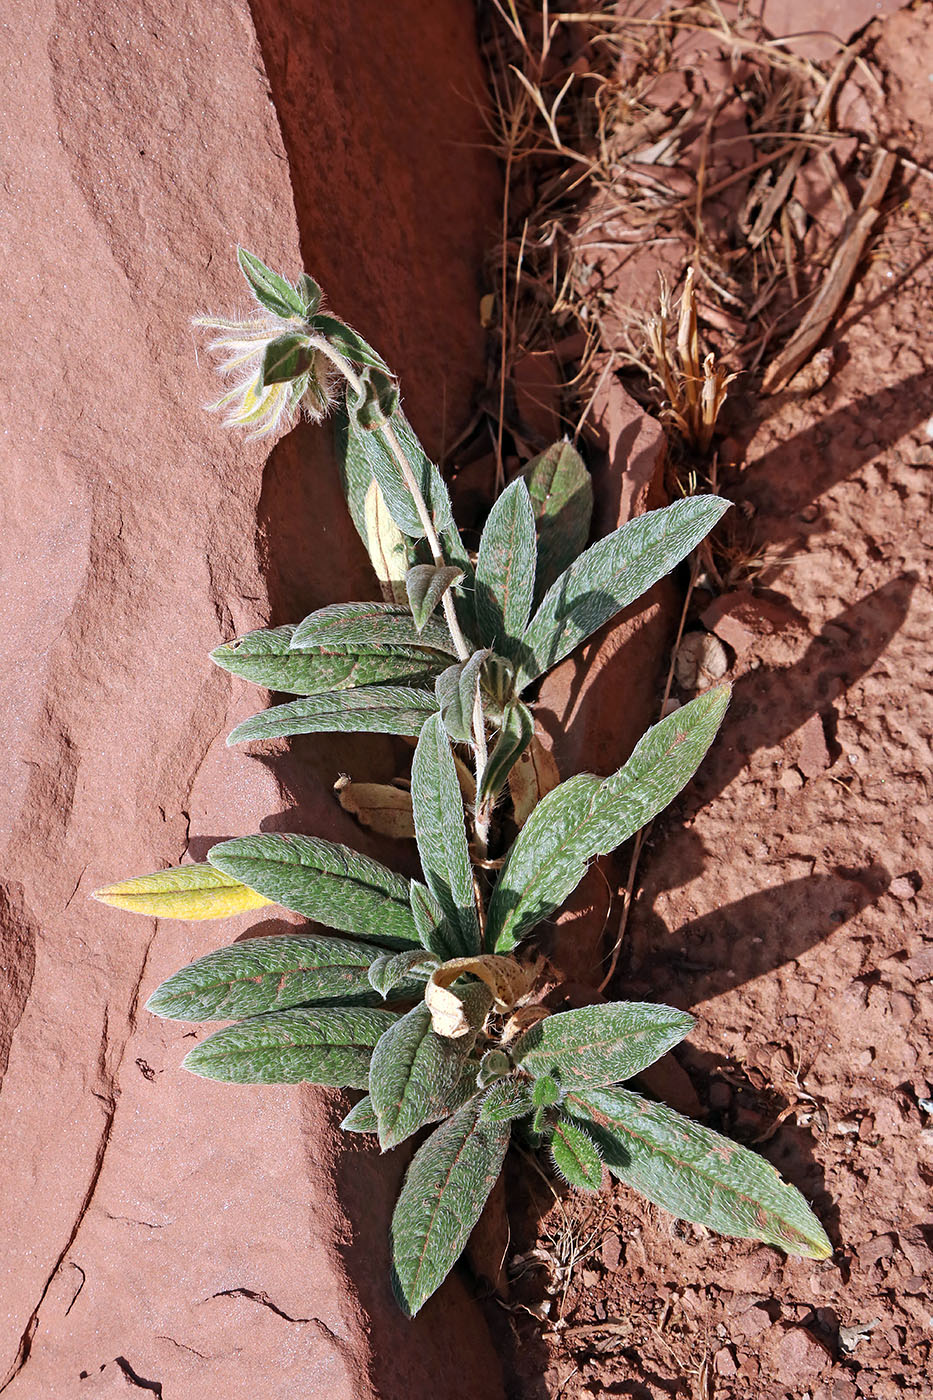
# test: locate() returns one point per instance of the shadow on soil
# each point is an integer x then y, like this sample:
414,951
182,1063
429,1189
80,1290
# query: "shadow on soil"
797,471
770,704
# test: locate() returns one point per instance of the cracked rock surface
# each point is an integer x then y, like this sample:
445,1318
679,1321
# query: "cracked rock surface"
164,1234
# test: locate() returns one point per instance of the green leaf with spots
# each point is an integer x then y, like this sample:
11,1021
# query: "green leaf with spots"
417,1076
426,585
455,689
266,974
575,1156
285,358
697,1174
269,289
372,709
447,1185
600,1045
327,882
321,1045
505,571
361,1118
587,816
561,492
442,841
611,574
265,657
371,627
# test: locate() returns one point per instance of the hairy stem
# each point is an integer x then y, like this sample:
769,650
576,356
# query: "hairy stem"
480,752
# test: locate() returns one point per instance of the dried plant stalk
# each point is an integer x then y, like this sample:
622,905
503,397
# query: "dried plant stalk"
696,389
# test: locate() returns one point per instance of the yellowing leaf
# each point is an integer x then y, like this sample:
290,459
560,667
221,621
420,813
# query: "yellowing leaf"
183,892
385,545
532,777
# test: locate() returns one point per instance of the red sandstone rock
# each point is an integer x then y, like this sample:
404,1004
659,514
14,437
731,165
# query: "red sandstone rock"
215,1241
537,385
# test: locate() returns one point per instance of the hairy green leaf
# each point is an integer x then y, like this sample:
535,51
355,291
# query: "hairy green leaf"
371,627
561,492
269,289
381,464
330,883
347,343
506,1100
376,401
357,451
361,1118
265,657
505,571
546,1091
698,1174
515,734
611,574
371,709
600,1045
446,1187
266,974
369,512
320,1045
575,1156
391,970
456,691
586,816
426,585
309,293
441,833
435,930
493,1065
416,1075
285,358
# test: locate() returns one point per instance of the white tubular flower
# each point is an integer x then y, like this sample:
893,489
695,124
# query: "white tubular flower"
279,370
277,373
288,359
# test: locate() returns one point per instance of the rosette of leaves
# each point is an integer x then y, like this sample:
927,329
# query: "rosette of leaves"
406,989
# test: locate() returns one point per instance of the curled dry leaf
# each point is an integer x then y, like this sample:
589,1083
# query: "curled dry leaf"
381,807
701,661
533,777
507,979
520,1021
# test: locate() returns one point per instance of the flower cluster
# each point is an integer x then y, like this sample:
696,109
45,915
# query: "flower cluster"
276,357
254,401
